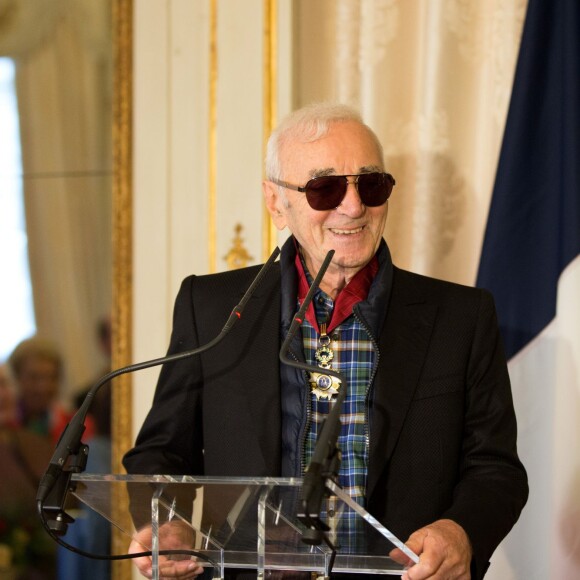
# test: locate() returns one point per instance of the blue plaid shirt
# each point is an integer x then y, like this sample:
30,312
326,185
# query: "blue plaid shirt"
355,357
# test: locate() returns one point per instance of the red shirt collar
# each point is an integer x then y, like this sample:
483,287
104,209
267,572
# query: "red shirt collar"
355,291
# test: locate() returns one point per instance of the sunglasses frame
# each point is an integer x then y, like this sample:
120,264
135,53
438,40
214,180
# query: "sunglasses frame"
304,188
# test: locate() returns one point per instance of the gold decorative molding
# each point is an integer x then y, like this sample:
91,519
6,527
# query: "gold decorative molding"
238,256
270,98
122,262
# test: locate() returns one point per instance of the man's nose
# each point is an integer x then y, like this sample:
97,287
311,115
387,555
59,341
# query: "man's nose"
352,204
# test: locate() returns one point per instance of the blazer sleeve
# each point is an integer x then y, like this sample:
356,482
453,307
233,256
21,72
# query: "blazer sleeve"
170,441
492,487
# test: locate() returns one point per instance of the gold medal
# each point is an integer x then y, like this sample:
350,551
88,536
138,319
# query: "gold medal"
324,354
322,385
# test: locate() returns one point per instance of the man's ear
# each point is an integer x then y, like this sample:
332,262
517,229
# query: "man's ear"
274,204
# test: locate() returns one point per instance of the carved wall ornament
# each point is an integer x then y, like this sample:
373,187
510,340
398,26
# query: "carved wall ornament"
238,256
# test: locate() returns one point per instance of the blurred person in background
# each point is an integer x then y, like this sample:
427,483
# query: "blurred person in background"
37,368
91,532
27,552
7,399
99,421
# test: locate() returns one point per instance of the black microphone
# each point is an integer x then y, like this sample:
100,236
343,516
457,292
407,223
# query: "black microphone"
69,445
326,458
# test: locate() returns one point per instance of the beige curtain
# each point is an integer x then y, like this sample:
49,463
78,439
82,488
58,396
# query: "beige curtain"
433,78
63,71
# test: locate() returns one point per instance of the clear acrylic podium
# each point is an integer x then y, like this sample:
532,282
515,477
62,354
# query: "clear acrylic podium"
243,523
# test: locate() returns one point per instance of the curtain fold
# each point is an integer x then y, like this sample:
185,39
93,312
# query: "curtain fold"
25,24
433,78
64,99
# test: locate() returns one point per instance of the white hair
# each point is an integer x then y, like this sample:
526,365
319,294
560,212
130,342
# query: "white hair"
308,124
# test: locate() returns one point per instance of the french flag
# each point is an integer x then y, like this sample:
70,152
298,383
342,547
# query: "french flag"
531,262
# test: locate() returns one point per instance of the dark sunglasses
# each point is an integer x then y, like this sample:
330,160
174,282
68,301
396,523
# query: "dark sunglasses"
327,192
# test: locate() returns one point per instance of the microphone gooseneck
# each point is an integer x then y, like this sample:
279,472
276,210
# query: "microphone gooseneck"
70,453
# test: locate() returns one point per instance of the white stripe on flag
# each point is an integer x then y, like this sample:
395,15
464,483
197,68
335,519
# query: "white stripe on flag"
545,375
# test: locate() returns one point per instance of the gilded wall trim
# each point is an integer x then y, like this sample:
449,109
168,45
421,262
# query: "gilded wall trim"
270,99
122,435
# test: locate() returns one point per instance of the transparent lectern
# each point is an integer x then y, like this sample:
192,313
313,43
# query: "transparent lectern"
243,523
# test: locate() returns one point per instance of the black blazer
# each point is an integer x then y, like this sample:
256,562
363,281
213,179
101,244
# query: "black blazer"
443,428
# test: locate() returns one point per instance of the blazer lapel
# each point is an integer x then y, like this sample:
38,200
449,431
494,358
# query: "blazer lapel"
403,346
259,377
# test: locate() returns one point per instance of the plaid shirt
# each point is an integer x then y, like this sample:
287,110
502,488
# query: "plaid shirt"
355,357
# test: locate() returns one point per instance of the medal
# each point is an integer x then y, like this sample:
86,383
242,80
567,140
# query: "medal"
322,385
324,353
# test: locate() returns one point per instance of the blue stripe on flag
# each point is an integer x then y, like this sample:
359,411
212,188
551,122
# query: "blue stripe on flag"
533,228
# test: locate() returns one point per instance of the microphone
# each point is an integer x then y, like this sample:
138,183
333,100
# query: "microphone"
69,444
326,458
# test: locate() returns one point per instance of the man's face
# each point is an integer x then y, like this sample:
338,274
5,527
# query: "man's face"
353,230
38,384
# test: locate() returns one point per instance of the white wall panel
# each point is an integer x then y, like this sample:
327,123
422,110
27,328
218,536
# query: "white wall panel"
172,151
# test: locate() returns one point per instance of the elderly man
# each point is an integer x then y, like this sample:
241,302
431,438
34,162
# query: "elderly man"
428,428
37,367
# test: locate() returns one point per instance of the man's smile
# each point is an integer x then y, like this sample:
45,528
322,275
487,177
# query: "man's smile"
349,232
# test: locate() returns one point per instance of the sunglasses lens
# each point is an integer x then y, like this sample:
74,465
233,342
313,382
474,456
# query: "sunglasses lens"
375,188
324,193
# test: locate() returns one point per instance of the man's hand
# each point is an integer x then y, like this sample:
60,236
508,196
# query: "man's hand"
444,553
172,536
